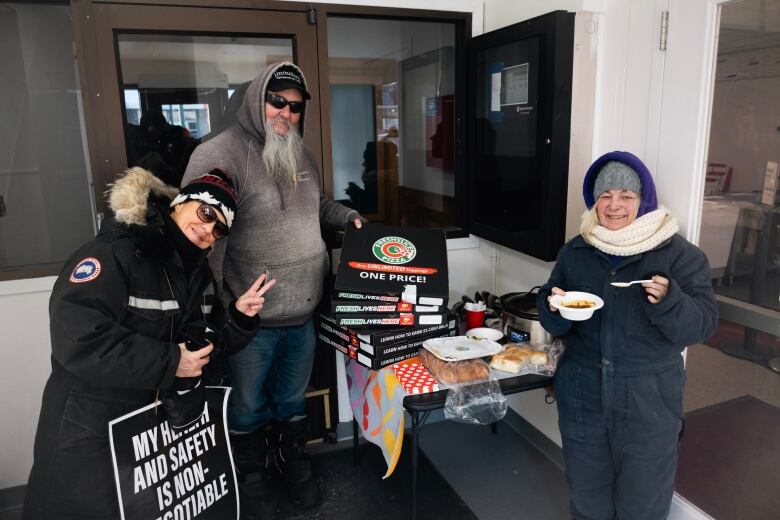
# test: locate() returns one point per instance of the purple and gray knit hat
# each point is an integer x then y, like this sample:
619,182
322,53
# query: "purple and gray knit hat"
620,170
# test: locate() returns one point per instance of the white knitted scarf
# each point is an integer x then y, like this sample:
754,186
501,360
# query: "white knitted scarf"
643,234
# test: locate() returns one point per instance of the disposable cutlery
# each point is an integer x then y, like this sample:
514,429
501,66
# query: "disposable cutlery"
626,284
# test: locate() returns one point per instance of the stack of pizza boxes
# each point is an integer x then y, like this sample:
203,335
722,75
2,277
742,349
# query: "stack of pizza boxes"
390,294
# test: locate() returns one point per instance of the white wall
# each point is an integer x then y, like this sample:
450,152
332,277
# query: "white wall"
500,13
24,320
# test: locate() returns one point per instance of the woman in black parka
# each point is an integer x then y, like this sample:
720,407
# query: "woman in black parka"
619,385
120,313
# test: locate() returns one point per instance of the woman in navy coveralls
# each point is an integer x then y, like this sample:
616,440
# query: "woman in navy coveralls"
619,385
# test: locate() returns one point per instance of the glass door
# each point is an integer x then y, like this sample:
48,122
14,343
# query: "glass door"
732,397
169,78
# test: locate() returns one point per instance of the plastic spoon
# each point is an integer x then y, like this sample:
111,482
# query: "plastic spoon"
626,284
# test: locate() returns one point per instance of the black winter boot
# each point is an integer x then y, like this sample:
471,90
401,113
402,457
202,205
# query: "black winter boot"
294,464
252,458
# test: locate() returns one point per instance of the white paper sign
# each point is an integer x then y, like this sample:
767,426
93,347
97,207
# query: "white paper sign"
770,184
516,86
495,94
167,474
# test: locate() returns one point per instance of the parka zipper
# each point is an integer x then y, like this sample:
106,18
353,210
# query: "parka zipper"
173,317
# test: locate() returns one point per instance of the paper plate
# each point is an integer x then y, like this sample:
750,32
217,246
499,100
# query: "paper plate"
484,333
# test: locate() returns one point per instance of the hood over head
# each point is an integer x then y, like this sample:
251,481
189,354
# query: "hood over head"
251,114
129,196
648,198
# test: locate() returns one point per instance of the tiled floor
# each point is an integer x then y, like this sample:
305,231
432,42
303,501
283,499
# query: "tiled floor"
499,476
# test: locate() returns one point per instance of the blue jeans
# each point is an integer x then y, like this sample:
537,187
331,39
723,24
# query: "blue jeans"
269,377
620,433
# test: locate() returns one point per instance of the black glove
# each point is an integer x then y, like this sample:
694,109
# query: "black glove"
186,401
184,409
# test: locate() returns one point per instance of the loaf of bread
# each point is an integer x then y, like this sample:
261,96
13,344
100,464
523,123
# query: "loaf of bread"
450,372
515,358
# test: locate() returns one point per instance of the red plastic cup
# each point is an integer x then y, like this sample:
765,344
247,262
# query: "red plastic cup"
475,319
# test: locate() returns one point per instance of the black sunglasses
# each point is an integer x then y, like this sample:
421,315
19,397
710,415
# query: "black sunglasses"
207,214
279,102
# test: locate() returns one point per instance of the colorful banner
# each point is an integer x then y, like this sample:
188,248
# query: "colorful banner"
377,399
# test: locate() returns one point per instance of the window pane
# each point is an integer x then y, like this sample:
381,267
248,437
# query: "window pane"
178,92
352,120
45,202
392,119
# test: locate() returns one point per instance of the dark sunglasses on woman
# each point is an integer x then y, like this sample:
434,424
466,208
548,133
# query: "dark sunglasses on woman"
279,102
207,214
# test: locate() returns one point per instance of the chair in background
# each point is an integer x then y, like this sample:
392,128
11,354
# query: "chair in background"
718,179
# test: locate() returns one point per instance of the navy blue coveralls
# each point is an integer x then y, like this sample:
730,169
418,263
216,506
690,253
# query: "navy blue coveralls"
619,385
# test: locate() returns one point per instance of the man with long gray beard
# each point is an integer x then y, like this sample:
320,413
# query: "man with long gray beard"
277,230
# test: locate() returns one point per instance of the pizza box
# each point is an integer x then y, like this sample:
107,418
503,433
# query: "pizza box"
378,356
366,307
379,337
392,355
389,320
387,260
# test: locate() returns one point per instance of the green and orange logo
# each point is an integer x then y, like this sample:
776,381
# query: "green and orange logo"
394,250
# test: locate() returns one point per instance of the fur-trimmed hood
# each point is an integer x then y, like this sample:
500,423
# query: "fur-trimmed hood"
129,196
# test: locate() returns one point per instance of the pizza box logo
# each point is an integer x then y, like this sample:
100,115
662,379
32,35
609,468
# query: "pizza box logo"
394,250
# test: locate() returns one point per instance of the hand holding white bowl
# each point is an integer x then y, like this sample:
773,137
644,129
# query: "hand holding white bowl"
575,305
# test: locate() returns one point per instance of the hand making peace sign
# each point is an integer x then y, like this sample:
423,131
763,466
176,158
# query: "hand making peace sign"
251,302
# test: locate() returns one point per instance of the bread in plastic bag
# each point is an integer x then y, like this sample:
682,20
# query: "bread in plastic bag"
473,395
453,372
529,358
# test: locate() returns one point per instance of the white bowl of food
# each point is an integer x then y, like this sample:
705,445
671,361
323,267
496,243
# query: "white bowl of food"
484,333
576,305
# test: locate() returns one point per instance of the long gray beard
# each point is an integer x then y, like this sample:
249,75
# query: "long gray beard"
282,153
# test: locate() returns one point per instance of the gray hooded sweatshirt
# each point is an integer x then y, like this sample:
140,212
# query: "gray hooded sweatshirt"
277,226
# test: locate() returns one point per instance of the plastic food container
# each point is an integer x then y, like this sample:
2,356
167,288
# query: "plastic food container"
458,348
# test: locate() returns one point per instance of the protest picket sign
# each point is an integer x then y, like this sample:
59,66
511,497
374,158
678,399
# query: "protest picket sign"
164,473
